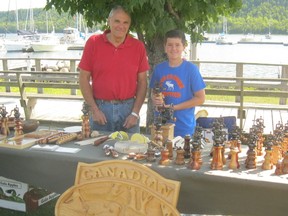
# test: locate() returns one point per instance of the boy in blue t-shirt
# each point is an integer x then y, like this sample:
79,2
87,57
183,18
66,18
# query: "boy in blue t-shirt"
181,83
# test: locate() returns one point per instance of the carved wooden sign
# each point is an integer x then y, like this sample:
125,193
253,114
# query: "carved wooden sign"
119,187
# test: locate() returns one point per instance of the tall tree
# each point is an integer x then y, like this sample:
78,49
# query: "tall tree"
152,18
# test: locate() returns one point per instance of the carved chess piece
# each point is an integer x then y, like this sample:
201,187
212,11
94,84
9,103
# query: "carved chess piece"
235,141
284,143
158,138
217,163
187,146
150,155
251,159
218,145
18,122
195,163
250,162
258,128
267,164
276,154
169,146
234,163
180,156
158,95
86,130
278,170
285,164
4,121
164,157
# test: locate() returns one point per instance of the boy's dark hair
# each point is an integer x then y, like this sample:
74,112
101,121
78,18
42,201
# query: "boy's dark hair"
175,33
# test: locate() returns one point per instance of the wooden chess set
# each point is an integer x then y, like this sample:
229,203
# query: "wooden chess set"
21,140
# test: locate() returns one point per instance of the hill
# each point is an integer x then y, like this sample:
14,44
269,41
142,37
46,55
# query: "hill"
256,16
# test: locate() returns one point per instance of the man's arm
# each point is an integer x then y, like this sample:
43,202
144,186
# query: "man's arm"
131,120
86,89
140,92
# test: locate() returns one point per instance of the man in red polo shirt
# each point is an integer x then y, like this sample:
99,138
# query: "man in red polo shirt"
113,76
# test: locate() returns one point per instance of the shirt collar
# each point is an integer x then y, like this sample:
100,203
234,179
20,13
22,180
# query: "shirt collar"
126,43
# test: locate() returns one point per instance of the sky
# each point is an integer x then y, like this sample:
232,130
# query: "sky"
10,5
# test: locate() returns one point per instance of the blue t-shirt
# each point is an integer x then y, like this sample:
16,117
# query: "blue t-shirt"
178,84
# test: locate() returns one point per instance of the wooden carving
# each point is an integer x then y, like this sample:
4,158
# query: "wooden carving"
117,187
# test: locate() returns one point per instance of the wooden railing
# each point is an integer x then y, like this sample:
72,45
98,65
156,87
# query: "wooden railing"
237,86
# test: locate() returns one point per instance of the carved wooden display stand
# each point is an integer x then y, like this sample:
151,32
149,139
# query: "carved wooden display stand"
167,131
118,187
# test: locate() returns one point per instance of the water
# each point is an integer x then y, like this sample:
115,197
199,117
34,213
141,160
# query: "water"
253,53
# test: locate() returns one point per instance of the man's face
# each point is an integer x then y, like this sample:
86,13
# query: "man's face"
119,24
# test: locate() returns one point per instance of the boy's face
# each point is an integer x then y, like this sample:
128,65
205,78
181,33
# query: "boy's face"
174,48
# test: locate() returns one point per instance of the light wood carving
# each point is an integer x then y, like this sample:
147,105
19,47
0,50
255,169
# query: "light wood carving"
117,187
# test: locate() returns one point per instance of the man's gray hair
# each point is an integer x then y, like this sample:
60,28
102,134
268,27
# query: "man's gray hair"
116,8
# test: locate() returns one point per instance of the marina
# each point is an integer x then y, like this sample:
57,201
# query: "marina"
247,61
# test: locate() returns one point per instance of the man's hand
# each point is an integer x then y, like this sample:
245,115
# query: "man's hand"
98,116
130,121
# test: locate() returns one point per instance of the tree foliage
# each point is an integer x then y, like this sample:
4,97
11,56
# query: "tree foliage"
152,18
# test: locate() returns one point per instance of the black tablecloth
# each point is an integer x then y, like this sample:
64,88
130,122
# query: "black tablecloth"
205,191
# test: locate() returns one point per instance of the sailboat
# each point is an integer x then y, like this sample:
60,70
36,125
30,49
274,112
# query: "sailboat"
24,37
49,42
222,38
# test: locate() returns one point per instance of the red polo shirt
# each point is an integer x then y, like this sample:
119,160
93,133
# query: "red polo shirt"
113,69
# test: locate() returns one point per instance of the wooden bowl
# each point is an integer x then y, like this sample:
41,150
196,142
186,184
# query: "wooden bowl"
30,125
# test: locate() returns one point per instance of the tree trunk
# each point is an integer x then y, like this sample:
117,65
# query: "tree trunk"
155,52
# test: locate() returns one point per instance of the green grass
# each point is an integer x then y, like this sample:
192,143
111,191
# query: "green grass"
259,100
46,90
